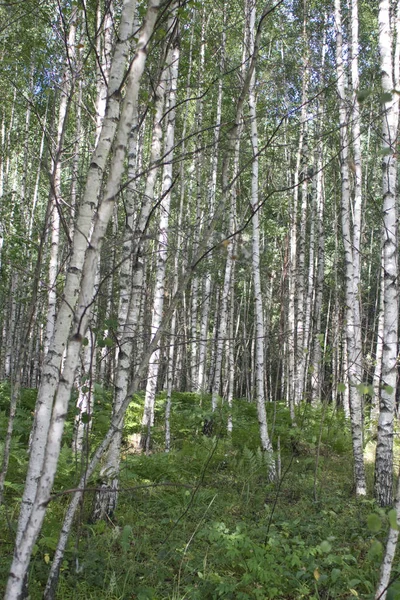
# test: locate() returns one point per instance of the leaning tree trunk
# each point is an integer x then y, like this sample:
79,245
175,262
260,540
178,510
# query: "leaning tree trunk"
48,433
132,272
52,364
186,277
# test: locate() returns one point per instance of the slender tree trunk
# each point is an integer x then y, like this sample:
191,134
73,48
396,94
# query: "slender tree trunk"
48,432
162,250
377,378
52,364
260,332
66,91
317,362
390,81
207,282
353,326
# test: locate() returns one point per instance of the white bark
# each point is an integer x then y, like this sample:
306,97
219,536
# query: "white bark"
105,24
85,398
260,331
230,357
131,286
66,91
158,302
353,329
52,364
317,365
377,378
211,204
301,334
390,81
390,552
30,525
37,181
223,309
198,169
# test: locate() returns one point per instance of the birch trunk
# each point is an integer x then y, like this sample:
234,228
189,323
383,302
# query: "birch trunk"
131,289
158,302
118,417
377,378
50,440
390,81
317,363
318,339
52,364
296,266
211,204
390,551
67,88
198,170
350,236
260,332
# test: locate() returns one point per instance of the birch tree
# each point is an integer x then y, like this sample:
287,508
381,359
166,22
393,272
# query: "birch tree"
46,445
352,249
260,332
132,281
389,49
162,249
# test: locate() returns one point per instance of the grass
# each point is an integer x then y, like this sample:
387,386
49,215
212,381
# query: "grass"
202,522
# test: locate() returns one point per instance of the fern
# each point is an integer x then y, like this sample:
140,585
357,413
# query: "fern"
251,464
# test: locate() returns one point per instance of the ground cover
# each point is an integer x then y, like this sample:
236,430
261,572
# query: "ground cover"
202,521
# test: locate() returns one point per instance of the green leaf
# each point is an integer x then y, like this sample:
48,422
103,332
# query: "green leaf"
109,342
84,389
85,341
374,522
85,418
325,546
363,95
363,388
393,593
375,550
388,389
392,516
341,387
111,323
126,538
386,97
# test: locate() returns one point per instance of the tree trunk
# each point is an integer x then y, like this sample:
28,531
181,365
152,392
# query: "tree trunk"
350,236
162,250
48,432
390,81
260,332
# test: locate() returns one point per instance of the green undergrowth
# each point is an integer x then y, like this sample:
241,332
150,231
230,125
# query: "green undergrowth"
203,521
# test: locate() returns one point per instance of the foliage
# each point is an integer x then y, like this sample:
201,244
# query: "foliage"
202,522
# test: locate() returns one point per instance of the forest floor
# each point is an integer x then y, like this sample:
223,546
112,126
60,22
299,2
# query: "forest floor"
203,522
